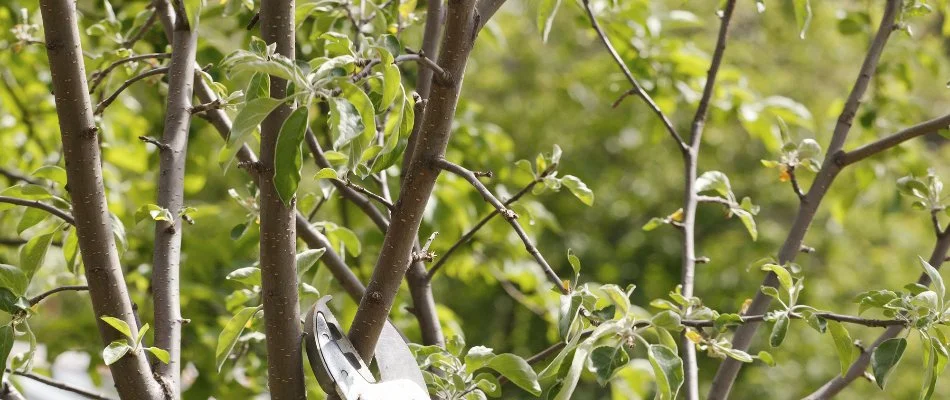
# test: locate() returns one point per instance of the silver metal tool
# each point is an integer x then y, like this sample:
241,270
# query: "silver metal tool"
340,370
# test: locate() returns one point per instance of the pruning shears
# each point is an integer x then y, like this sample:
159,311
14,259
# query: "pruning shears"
340,370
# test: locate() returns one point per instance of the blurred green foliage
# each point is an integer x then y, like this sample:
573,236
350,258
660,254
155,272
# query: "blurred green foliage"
523,96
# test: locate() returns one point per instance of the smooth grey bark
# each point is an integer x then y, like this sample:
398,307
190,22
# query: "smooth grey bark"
729,368
278,228
166,259
107,287
419,181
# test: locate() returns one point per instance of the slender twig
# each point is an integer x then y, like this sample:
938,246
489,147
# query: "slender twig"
204,107
367,193
98,77
870,322
38,298
717,200
467,236
729,368
633,80
105,103
870,149
316,208
65,216
59,385
795,187
155,142
509,215
140,33
424,61
516,294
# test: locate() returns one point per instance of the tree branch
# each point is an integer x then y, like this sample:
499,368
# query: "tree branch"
107,288
38,298
65,216
99,76
838,383
729,368
14,177
424,61
870,149
59,385
633,80
278,228
140,33
850,319
690,197
105,103
420,178
166,257
509,215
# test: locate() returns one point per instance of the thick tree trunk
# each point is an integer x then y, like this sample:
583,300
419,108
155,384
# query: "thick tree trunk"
278,229
107,288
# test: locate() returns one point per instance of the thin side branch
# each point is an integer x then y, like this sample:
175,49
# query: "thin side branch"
59,385
424,61
510,215
850,319
65,216
129,82
98,77
38,298
465,238
795,187
633,80
870,149
140,33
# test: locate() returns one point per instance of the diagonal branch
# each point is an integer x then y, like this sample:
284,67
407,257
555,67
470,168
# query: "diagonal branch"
59,385
98,77
509,215
38,298
467,236
65,216
870,149
129,82
729,368
638,89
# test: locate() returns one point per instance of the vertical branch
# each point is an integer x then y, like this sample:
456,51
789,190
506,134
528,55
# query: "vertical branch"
278,228
691,162
167,254
729,368
419,180
430,46
107,288
834,386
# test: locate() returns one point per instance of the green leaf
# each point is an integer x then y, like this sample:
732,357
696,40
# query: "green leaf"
10,302
579,189
26,192
350,241
668,369
779,330
153,212
115,351
809,148
455,345
724,321
160,354
885,358
33,253
767,358
250,276
547,10
802,15
654,223
843,345
714,180
31,217
14,279
193,10
617,297
488,383
574,261
517,370
667,320
570,307
749,221
937,280
784,277
477,357
326,173
142,331
230,334
119,325
6,344
250,116
258,87
666,338
604,361
391,85
51,173
307,258
288,157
